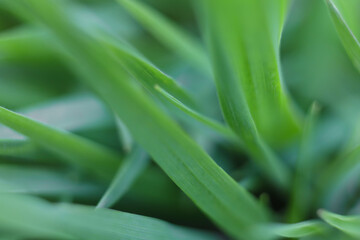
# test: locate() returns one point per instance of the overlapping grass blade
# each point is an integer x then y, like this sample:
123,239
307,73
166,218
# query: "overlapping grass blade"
345,16
218,127
39,218
245,53
347,224
145,72
128,172
238,117
76,150
170,35
240,69
25,39
178,155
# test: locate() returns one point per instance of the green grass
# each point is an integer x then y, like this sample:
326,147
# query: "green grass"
179,120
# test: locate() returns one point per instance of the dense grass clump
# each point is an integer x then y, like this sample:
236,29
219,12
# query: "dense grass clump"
179,120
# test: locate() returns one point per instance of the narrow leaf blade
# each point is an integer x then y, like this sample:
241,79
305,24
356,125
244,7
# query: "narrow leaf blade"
132,167
346,33
75,149
35,216
347,224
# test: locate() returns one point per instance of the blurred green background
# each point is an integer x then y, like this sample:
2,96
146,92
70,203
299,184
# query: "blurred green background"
315,67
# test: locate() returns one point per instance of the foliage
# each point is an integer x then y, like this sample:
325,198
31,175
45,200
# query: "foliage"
112,104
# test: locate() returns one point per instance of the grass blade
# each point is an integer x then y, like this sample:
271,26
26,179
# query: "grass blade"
218,127
170,35
236,88
76,112
40,218
347,224
346,26
132,167
296,230
246,62
72,113
145,72
177,154
82,152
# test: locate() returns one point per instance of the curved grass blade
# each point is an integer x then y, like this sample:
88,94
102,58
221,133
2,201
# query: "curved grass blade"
37,217
128,172
296,230
245,59
346,22
145,72
72,113
170,35
239,70
347,224
218,127
76,150
212,190
75,112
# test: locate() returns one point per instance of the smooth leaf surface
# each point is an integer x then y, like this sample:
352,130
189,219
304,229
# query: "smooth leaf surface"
79,222
347,224
298,230
345,15
243,76
244,46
